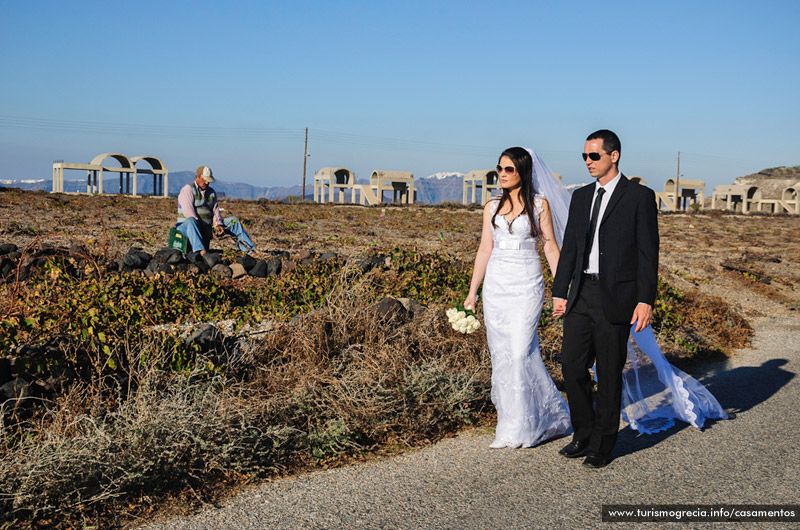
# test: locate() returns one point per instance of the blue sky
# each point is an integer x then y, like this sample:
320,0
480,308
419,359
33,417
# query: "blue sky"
417,86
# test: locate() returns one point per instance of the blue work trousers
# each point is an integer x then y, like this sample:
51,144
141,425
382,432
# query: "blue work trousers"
200,233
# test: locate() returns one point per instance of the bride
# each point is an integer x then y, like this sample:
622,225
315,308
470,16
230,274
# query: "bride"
530,409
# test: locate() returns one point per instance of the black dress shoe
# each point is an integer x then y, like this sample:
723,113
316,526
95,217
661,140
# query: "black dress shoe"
595,461
574,449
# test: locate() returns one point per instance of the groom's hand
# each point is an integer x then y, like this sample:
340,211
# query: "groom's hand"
559,306
642,315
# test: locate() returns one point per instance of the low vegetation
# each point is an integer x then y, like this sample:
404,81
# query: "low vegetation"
121,411
142,414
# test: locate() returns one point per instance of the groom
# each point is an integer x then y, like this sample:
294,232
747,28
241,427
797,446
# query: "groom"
606,280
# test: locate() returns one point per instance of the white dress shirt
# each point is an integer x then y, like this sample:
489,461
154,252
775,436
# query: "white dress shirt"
594,253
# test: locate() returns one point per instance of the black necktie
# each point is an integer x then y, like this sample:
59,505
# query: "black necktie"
593,224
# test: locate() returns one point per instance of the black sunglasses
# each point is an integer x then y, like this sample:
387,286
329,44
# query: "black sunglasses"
510,170
593,156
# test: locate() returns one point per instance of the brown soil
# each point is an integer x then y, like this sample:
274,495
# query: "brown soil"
751,262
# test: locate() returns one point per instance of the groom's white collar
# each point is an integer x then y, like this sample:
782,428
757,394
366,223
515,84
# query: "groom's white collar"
612,184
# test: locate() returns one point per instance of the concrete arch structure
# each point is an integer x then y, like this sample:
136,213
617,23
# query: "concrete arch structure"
479,180
400,183
332,178
737,197
159,172
788,202
679,194
95,176
127,168
637,180
790,199
759,196
723,193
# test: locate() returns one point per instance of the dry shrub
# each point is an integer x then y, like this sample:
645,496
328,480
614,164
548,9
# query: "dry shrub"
380,378
336,382
714,317
754,281
172,431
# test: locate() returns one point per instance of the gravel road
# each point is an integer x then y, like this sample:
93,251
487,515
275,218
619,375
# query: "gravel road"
460,483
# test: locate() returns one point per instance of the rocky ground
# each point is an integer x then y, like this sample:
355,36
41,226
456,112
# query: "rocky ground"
749,263
746,260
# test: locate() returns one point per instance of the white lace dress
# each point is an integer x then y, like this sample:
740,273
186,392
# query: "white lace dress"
530,409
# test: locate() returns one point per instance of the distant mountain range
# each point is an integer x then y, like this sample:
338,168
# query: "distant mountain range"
441,187
176,181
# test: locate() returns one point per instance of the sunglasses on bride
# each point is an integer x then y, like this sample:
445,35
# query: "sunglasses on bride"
510,170
593,156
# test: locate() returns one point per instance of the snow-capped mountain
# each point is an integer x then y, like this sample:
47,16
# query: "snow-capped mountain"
445,174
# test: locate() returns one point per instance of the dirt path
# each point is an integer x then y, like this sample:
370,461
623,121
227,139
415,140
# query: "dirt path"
461,483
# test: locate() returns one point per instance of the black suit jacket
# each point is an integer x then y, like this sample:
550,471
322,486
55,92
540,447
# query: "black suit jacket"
628,240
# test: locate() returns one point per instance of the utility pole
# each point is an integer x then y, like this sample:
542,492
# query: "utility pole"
305,157
678,183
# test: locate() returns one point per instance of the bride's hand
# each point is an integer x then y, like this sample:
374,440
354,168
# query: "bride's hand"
559,307
469,303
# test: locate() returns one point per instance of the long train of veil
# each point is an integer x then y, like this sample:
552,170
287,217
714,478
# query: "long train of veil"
654,393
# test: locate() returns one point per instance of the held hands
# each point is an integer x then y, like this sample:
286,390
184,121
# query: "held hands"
642,315
219,229
559,307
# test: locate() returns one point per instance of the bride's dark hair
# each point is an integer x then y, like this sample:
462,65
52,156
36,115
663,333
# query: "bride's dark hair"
524,163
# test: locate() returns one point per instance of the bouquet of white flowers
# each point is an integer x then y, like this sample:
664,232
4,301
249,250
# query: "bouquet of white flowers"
462,320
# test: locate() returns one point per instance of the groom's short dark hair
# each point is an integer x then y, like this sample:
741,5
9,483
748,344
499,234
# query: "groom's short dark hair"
611,141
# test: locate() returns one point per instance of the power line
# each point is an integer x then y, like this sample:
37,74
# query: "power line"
325,137
86,127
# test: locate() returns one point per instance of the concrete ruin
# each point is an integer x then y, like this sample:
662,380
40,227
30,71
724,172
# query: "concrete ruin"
773,190
400,183
638,180
330,179
747,199
478,185
127,174
680,194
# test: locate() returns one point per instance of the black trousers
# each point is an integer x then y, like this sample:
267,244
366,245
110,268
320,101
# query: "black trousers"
589,338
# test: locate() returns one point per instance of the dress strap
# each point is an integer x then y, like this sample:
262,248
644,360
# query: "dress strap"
538,205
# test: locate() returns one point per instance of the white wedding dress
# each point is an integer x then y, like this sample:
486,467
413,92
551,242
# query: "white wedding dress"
530,409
